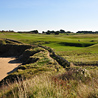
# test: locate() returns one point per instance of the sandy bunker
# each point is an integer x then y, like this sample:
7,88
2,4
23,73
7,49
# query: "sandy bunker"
7,66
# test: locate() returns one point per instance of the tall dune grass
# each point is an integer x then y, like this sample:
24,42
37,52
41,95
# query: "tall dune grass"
67,85
37,87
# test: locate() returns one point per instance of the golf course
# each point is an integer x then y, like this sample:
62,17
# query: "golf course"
48,65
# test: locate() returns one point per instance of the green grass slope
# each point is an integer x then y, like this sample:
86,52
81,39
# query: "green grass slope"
42,75
85,56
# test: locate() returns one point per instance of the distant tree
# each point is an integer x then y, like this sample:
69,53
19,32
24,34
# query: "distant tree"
48,32
34,31
3,31
96,32
57,33
43,32
68,32
52,32
62,31
10,31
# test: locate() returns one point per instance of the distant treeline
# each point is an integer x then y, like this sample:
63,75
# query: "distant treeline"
43,32
7,31
56,32
52,32
67,32
32,32
88,32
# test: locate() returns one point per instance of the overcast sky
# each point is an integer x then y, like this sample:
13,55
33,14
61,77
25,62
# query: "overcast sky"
43,15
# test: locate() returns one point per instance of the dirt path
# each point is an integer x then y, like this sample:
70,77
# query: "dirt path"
7,66
50,57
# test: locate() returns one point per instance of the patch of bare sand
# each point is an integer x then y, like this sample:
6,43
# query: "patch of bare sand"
7,66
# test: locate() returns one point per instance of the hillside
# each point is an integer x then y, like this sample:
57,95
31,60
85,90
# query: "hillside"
45,74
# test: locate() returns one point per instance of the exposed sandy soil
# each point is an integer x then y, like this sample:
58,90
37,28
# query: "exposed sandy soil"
7,66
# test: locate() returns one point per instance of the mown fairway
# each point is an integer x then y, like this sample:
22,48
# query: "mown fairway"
77,48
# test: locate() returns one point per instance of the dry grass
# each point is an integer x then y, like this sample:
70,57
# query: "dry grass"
37,87
65,85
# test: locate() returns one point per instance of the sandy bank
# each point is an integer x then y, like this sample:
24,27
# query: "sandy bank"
7,66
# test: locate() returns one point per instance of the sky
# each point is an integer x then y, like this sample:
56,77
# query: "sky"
43,15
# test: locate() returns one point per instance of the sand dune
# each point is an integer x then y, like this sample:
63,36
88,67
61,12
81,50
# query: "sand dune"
7,66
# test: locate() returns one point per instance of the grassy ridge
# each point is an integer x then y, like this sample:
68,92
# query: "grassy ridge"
76,48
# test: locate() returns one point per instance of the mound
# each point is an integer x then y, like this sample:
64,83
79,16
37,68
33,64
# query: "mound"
35,60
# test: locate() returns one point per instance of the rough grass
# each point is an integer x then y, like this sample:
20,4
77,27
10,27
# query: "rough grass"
37,87
88,55
66,85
